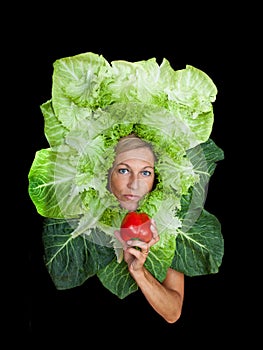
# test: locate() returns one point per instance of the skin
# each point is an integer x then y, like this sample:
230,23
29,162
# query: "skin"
131,178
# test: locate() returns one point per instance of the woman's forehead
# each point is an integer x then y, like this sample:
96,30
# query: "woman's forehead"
142,154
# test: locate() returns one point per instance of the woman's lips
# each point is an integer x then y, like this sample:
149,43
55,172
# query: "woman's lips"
131,197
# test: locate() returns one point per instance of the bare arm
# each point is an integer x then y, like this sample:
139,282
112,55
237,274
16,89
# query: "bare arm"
166,298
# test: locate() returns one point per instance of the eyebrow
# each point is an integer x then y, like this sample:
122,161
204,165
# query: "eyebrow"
127,165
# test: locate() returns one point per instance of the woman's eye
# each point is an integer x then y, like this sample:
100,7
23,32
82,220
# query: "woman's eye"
146,173
123,171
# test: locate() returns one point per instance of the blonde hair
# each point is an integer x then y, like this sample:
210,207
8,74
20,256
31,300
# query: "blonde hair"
132,142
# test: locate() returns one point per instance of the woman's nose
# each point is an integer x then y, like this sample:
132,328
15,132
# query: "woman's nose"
133,182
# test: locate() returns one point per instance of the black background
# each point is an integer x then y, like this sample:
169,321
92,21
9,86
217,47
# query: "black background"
90,313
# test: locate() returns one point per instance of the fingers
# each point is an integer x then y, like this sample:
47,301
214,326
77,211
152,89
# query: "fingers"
146,251
139,254
144,248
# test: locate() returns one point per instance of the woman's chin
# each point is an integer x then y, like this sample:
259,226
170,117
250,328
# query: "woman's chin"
131,206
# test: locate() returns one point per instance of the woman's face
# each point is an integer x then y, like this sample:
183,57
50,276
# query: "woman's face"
132,176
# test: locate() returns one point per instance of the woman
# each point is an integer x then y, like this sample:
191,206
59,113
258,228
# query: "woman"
131,178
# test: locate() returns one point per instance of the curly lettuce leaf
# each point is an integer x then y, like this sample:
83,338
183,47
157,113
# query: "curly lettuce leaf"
187,93
80,86
51,184
63,179
55,132
87,82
